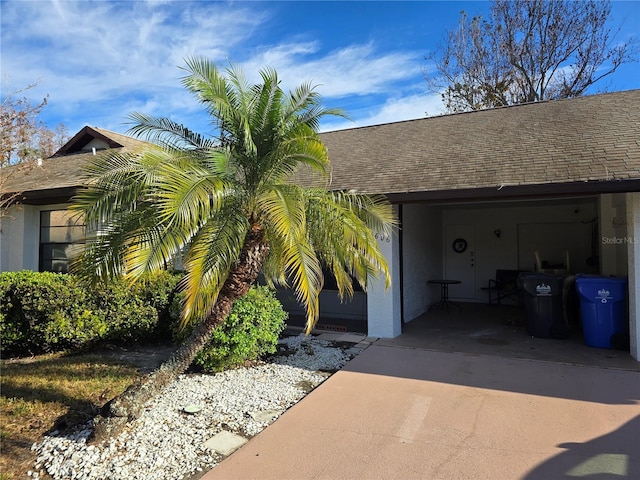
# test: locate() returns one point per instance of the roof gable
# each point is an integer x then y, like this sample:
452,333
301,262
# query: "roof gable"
90,138
86,140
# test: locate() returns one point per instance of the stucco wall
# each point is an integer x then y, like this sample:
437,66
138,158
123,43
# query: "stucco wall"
421,257
613,227
20,237
383,304
11,233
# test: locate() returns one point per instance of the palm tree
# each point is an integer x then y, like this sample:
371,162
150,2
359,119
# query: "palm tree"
231,207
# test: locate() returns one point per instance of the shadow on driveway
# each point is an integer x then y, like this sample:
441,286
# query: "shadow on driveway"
612,456
575,382
408,413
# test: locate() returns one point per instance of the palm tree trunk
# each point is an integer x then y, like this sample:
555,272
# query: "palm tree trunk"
128,406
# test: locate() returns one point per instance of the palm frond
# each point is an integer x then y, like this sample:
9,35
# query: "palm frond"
304,270
104,255
265,113
273,270
343,228
304,105
301,148
186,194
167,133
141,209
226,98
114,180
282,210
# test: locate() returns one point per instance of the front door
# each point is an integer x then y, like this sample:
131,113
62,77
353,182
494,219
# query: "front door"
459,260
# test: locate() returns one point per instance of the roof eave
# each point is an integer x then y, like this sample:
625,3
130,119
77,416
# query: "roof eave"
49,196
509,192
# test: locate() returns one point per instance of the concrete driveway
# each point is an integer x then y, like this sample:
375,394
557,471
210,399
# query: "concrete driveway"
409,413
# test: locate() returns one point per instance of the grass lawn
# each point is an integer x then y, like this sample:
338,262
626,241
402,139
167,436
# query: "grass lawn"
51,392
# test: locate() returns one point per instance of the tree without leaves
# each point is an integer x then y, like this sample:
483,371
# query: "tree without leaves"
528,51
24,138
230,207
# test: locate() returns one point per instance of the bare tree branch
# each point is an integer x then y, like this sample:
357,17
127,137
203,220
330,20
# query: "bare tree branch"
24,138
527,51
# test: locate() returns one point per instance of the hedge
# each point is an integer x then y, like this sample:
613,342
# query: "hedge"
47,312
44,312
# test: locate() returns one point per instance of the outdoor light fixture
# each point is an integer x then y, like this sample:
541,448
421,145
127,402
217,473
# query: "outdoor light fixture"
497,233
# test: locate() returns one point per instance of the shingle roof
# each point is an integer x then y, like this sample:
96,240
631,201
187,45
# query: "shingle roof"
591,138
587,139
64,170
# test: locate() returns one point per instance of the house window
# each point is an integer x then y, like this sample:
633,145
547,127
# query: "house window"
331,284
61,237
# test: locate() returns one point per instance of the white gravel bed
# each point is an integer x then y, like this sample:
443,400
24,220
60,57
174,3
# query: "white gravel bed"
167,443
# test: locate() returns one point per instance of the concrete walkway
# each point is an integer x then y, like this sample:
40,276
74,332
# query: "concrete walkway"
403,413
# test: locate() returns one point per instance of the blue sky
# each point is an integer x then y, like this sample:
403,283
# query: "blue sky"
100,60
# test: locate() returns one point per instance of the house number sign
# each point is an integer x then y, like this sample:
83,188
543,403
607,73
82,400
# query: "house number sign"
382,237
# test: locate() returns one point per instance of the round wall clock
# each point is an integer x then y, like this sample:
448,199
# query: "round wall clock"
459,245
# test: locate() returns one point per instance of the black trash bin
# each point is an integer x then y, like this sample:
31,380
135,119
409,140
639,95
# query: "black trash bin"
543,307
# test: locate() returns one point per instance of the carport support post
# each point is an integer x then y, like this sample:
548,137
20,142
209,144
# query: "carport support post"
383,305
633,257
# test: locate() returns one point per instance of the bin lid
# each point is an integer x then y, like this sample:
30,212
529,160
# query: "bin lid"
542,284
583,278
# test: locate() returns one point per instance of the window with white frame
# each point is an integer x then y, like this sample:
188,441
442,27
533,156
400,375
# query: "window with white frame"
62,235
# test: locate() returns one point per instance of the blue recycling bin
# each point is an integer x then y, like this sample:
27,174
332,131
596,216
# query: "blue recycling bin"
603,308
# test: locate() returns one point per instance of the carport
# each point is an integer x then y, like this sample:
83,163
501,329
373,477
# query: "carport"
486,190
469,242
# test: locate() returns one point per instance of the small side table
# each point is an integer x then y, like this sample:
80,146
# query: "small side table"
444,293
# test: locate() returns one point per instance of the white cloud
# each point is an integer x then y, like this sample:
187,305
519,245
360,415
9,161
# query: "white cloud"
112,50
99,61
351,70
409,107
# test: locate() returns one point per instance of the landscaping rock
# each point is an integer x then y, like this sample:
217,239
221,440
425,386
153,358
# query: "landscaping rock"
165,443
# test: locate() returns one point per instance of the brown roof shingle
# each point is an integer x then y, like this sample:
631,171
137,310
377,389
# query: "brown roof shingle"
591,138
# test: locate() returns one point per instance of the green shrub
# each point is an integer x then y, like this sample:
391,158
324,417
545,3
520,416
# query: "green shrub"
158,290
250,331
43,312
129,318
11,334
